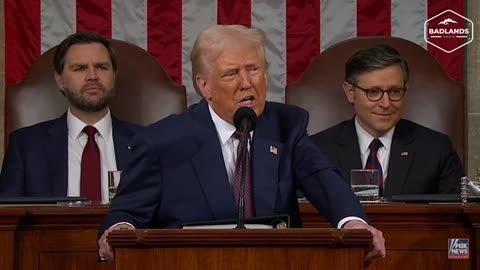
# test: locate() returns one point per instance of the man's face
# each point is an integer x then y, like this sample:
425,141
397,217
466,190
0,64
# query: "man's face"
236,78
87,78
377,117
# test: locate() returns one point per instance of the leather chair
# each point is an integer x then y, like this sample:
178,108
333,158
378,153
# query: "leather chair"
144,92
433,100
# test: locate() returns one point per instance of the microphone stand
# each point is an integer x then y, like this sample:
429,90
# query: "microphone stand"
241,196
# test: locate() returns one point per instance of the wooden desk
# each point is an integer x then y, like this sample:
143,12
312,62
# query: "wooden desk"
63,238
50,237
9,219
473,213
416,234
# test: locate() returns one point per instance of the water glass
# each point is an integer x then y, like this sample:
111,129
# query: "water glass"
364,184
470,189
113,181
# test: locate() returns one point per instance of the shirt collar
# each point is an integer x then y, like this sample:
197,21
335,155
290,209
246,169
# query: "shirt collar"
225,130
75,126
365,138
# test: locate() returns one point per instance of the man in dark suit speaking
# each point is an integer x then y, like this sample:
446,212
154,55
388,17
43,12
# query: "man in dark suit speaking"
412,159
183,167
71,155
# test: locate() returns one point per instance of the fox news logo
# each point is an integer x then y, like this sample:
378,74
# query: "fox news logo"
458,248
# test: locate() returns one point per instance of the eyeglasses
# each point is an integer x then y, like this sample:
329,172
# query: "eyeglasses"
375,94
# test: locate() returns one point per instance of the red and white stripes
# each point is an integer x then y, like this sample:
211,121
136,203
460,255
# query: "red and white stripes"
297,30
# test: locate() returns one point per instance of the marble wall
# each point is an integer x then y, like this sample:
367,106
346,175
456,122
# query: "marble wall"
472,85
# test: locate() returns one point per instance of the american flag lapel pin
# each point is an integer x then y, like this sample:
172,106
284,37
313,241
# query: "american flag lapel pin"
405,153
273,150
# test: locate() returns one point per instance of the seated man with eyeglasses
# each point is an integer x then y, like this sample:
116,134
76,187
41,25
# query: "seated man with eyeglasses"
412,159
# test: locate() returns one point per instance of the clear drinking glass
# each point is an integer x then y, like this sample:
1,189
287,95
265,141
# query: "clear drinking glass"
113,180
470,188
364,184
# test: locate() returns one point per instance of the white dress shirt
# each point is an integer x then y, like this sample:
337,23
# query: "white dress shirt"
76,142
383,153
229,145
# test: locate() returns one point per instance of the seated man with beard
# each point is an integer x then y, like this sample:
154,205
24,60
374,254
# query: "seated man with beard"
71,155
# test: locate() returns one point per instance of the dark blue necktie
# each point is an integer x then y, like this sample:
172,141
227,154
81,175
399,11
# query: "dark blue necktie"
373,163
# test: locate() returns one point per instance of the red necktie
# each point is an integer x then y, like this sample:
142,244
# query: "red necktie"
90,168
373,163
249,204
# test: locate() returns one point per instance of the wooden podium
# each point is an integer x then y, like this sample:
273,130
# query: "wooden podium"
245,249
65,238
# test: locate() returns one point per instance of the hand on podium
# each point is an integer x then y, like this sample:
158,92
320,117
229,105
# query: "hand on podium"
378,249
105,251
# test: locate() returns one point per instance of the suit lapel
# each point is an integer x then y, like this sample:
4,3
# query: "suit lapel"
349,150
121,138
401,156
266,155
57,155
209,165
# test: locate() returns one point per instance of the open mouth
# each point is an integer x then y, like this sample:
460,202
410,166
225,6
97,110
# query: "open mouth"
247,101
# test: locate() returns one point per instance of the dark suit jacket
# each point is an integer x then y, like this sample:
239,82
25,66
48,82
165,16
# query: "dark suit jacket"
177,173
422,161
36,162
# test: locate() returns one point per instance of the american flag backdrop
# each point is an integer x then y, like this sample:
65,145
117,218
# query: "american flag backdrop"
297,30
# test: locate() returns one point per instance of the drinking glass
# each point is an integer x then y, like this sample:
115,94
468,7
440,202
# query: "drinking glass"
113,180
364,184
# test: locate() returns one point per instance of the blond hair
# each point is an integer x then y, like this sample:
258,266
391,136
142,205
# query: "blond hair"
214,39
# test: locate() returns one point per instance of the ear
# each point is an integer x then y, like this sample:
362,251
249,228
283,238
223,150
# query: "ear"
203,87
348,90
59,81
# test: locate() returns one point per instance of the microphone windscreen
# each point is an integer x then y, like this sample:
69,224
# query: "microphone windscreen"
244,119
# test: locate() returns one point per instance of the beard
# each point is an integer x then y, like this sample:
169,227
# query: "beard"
82,102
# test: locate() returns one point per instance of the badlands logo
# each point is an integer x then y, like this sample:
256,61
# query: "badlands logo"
448,31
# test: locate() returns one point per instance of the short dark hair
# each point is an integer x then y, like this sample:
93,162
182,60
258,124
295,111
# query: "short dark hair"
81,38
373,58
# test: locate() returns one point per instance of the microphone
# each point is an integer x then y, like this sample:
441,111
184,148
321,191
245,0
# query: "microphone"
244,120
